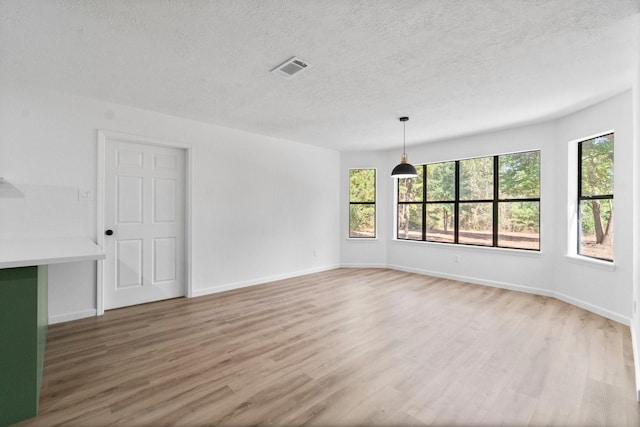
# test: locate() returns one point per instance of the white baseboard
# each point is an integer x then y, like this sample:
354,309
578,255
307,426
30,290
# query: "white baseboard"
636,358
560,296
530,290
66,317
260,281
593,308
362,265
474,280
496,284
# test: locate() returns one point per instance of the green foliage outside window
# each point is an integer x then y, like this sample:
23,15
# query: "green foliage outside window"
362,203
461,204
440,222
410,191
476,179
519,221
519,175
441,182
595,198
410,221
476,224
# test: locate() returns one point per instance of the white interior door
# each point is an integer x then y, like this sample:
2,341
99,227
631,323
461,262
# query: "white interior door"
144,223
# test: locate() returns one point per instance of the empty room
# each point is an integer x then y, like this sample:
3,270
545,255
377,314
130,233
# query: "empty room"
327,213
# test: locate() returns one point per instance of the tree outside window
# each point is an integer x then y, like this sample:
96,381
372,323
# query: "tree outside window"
595,197
484,201
441,195
519,200
410,208
362,203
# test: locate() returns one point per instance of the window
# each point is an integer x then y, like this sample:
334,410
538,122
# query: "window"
519,200
410,207
484,201
362,203
441,195
595,197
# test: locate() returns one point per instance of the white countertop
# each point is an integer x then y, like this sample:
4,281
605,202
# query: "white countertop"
27,252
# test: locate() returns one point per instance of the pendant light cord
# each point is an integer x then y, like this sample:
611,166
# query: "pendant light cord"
404,138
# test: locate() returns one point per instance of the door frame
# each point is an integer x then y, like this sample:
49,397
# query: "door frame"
104,136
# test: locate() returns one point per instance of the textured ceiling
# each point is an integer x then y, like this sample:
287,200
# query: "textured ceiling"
454,66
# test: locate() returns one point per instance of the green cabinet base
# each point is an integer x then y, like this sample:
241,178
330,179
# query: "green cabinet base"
23,338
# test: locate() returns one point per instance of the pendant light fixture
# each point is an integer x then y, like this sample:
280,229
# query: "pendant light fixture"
404,169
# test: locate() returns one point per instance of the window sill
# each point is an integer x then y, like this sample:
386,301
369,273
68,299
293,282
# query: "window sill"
591,262
471,248
362,239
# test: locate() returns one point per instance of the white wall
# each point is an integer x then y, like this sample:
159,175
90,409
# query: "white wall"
497,267
549,272
261,224
604,289
293,201
635,322
364,252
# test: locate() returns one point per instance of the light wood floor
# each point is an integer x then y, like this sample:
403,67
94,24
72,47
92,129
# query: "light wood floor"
344,347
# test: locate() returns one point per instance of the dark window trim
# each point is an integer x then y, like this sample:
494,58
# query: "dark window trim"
592,197
457,202
375,209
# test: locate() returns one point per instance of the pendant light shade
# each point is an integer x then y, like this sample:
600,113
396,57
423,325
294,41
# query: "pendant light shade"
404,169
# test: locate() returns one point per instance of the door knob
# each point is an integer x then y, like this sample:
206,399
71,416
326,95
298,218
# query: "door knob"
108,232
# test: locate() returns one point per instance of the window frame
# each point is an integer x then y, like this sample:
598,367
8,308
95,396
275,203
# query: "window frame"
495,203
373,203
580,198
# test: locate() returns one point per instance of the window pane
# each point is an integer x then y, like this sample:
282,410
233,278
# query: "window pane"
441,181
362,220
440,222
596,228
476,224
362,185
476,179
519,175
410,221
519,225
410,189
597,166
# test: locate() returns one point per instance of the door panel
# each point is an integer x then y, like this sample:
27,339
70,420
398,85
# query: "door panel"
164,256
144,206
130,158
129,199
165,162
164,196
129,263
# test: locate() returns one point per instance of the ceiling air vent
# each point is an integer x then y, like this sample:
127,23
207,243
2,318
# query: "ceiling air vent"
290,67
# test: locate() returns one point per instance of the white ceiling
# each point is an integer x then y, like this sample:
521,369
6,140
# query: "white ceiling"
455,67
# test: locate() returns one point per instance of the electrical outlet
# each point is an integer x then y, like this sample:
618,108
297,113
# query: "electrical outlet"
456,258
315,252
85,195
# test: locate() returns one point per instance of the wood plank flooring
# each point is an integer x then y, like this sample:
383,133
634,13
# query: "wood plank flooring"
345,347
